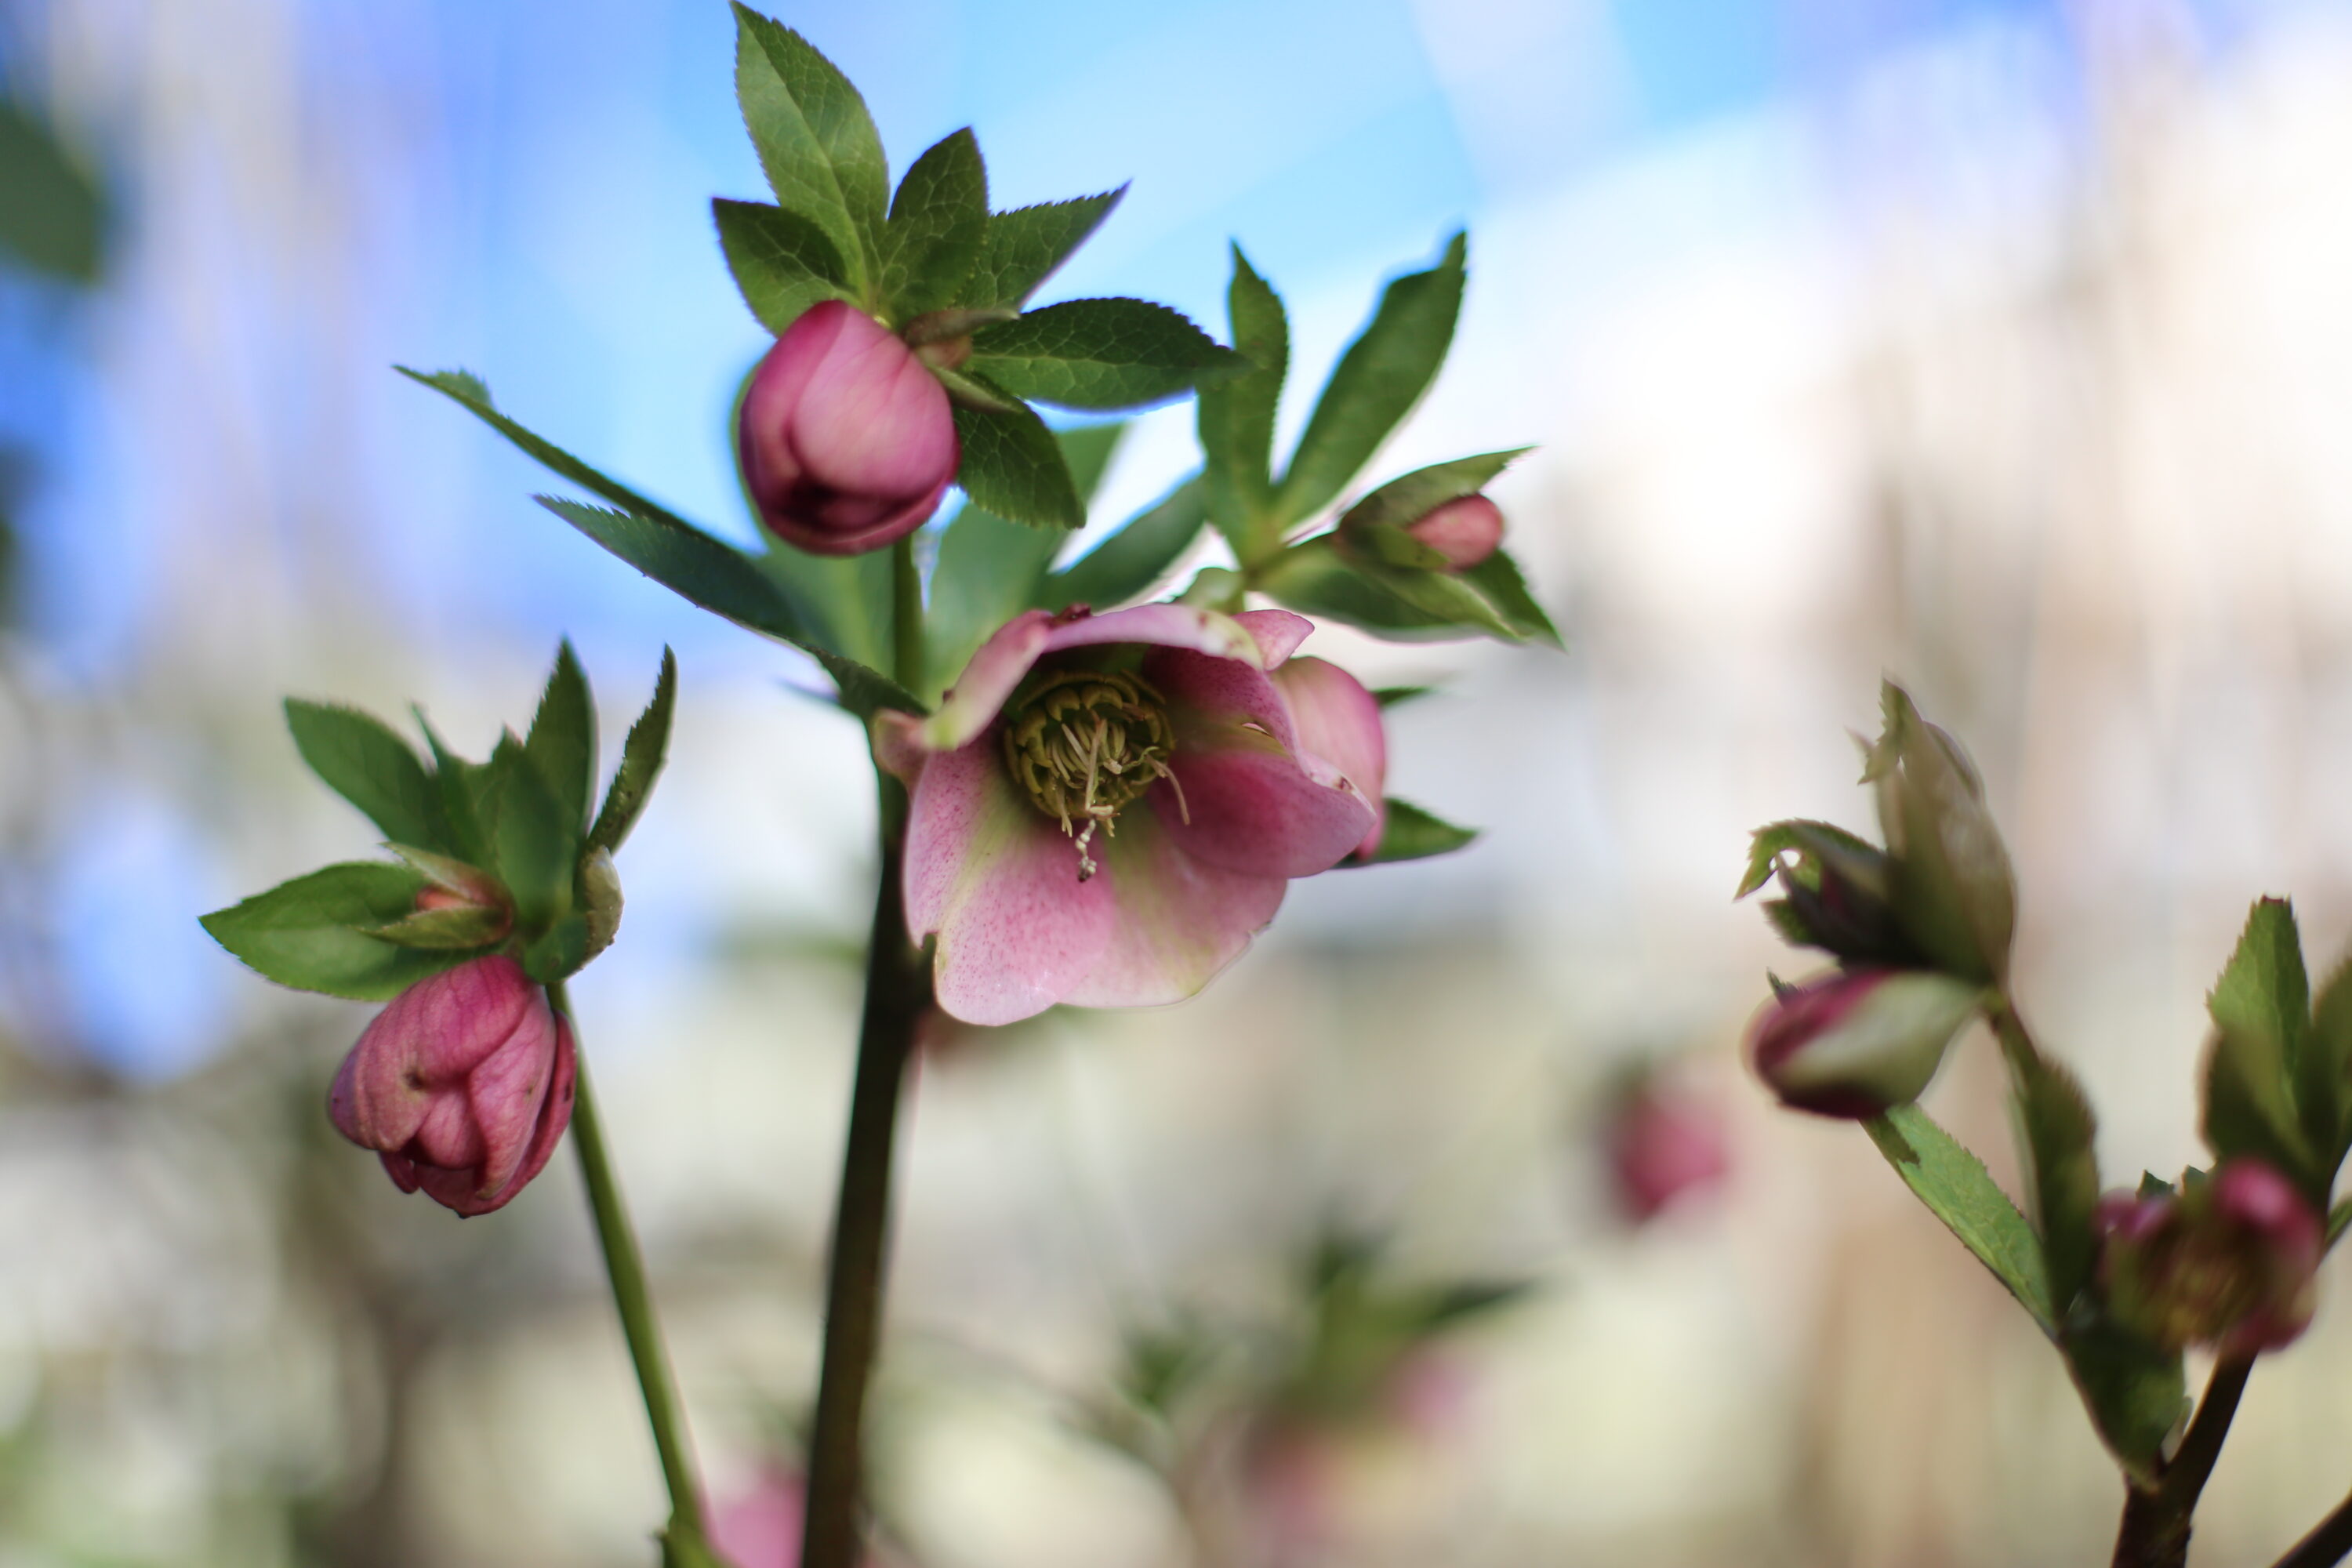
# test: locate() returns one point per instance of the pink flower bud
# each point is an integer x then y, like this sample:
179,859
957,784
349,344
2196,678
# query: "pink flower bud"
463,1085
1664,1143
1466,530
1858,1042
846,439
2228,1262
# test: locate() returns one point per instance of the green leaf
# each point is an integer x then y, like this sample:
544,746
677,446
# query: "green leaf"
1236,416
2337,1218
559,952
454,783
642,756
563,739
1015,467
2136,1393
362,760
1099,354
783,262
988,572
939,220
2261,1009
1136,559
534,845
309,933
2059,1133
459,928
1498,581
815,139
1088,449
1958,1190
1413,834
1395,695
2321,1087
1321,577
52,213
1410,496
1025,246
1378,379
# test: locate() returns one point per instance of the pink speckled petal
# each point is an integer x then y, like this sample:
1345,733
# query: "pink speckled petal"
1278,633
1179,920
971,704
1340,721
999,884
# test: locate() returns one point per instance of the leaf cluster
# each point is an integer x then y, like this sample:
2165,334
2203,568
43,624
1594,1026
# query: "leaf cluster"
511,840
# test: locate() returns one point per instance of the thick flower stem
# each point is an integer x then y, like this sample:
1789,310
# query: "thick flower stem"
634,1300
897,994
2330,1543
2156,1524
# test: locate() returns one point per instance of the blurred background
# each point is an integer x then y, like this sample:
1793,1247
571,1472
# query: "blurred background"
2001,345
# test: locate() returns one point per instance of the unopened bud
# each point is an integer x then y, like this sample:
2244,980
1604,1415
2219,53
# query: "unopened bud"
2228,1261
1464,530
1664,1143
1951,884
1858,1044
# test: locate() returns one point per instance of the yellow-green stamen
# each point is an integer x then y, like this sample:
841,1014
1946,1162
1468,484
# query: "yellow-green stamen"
1086,743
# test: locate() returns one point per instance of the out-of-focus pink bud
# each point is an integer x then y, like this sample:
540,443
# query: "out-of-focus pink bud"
1664,1143
463,1085
1859,1043
1464,530
760,1527
846,439
2228,1262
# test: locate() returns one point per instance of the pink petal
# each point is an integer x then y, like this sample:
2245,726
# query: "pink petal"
971,704
1278,633
1178,919
448,1135
507,1091
1340,721
401,1170
999,884
1161,626
554,1116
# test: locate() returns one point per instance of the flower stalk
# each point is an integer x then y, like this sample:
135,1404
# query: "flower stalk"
2156,1522
625,1265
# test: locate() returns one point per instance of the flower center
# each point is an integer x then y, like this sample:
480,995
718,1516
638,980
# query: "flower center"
1086,743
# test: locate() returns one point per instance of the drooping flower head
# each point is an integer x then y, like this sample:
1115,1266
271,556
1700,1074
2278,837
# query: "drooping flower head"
847,441
1855,1043
1106,808
463,1085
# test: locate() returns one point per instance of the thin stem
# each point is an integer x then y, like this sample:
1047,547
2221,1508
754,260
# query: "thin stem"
2330,1543
626,1265
897,994
2154,1533
907,613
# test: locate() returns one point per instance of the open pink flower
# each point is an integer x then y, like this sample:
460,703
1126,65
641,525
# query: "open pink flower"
463,1085
1106,808
847,441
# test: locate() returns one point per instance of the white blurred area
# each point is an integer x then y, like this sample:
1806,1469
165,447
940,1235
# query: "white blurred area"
2015,363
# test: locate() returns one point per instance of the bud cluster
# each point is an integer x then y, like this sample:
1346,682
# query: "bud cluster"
2229,1260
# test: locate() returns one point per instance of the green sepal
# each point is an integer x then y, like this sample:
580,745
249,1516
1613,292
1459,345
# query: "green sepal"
461,927
642,755
1235,417
1958,1190
938,222
534,844
1409,498
2261,1010
1502,585
559,952
310,933
1014,467
2136,1393
815,139
1396,602
724,581
971,392
2322,1090
783,262
1413,834
990,570
456,785
562,738
1099,354
359,758
1024,246
1815,844
1378,380
1136,559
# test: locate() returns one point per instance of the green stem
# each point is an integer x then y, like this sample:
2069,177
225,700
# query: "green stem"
906,615
2154,1533
897,994
626,1265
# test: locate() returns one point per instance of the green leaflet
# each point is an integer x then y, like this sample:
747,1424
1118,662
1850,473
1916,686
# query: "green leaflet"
1376,384
783,262
2058,1131
305,933
561,743
642,755
938,222
52,215
362,760
1413,834
2136,1393
1410,496
1136,559
1098,355
534,846
1235,416
1015,467
1956,1187
1024,246
2260,1011
815,141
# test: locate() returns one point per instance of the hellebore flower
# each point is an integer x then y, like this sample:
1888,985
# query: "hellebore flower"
463,1085
1950,882
1106,808
846,439
1858,1042
1466,530
1662,1144
2229,1262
